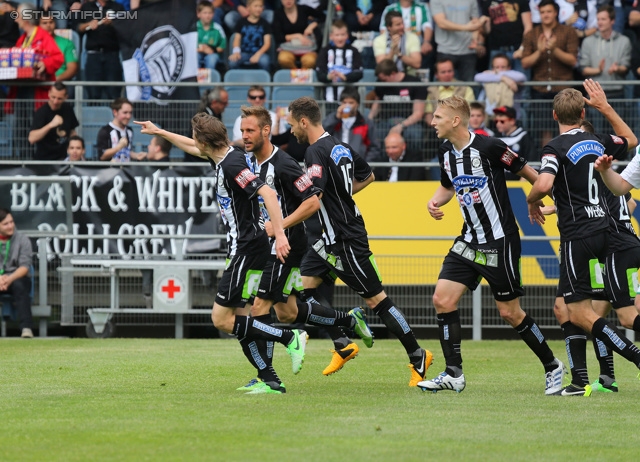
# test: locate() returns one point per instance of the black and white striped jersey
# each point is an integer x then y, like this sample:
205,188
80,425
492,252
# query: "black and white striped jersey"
285,176
332,166
578,188
237,190
477,175
109,136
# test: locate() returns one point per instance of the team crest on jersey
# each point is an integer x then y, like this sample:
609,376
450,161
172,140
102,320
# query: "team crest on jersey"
244,178
476,162
220,181
617,139
468,189
270,180
338,152
303,183
315,171
508,156
584,148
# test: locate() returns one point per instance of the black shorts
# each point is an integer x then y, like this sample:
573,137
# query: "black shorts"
241,279
352,261
582,268
621,277
279,281
314,265
498,262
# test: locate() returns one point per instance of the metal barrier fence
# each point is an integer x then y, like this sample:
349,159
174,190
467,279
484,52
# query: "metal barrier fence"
175,116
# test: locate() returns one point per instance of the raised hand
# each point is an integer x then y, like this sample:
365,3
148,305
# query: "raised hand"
148,128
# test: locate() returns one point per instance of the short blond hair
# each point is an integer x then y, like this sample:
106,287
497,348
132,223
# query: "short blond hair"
459,106
568,106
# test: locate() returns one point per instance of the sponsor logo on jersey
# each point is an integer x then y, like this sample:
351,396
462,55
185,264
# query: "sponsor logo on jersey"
617,139
303,183
224,202
508,156
338,152
315,171
584,148
468,181
594,211
244,178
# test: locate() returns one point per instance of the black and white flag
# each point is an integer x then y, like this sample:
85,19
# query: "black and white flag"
160,45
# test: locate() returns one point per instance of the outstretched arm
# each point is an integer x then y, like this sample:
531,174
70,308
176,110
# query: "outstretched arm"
528,173
181,142
612,179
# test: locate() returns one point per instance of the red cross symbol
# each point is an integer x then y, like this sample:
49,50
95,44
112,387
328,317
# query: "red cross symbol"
170,289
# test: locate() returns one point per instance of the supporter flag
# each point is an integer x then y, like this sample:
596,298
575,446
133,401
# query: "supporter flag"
159,44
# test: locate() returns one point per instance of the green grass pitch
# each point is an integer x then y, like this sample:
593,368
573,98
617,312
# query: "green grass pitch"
157,400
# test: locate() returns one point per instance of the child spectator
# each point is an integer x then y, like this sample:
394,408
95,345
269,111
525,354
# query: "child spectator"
338,61
294,31
212,40
477,118
76,149
252,41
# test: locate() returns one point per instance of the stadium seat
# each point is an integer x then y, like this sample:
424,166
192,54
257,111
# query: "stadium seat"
93,115
93,118
294,88
214,76
238,95
368,75
229,116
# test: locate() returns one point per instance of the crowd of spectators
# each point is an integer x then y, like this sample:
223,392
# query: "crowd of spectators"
499,44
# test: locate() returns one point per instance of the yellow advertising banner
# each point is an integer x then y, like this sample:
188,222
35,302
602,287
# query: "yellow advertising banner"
400,209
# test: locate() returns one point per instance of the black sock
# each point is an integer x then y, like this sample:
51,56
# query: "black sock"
315,314
340,340
636,324
604,357
252,329
450,338
615,340
267,319
256,352
576,342
317,295
393,318
530,333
